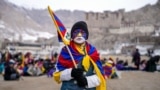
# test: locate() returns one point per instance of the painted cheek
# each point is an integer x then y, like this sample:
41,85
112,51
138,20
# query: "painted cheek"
84,35
79,33
75,33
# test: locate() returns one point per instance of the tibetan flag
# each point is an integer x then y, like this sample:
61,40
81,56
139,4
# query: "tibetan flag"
88,59
63,35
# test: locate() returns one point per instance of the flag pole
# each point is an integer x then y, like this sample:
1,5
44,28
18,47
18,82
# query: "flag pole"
51,13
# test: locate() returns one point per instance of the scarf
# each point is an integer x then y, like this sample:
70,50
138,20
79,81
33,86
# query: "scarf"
89,56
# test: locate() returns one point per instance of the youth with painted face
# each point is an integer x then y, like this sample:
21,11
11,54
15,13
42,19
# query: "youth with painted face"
87,60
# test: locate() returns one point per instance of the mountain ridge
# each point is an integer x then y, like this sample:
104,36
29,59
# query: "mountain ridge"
16,22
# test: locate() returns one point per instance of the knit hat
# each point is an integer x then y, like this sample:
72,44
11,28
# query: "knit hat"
80,25
111,61
11,61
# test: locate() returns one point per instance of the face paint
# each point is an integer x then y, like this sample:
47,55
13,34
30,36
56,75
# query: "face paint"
76,33
79,40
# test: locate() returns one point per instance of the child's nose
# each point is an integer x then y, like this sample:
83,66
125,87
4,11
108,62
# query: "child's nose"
79,34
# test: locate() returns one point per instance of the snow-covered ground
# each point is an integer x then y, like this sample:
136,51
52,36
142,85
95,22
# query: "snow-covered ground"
2,26
157,52
30,35
16,33
143,49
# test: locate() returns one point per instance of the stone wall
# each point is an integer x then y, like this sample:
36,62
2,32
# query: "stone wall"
106,19
141,29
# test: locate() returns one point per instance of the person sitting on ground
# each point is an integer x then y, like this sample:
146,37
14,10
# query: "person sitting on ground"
11,72
125,63
151,64
121,65
109,69
143,65
1,67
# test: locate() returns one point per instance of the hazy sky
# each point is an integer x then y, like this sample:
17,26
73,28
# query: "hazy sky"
86,5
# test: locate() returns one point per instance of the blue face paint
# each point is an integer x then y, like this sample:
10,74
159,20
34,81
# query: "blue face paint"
76,32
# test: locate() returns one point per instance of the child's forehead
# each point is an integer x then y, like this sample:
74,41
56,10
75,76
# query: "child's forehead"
79,30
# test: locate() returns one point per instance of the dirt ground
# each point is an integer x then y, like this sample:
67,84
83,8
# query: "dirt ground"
130,80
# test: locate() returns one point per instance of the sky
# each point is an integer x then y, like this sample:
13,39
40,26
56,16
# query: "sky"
85,5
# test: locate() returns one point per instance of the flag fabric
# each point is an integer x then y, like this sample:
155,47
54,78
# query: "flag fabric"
63,35
61,28
64,61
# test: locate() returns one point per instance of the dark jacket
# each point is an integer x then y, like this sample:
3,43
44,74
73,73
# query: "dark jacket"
10,71
151,64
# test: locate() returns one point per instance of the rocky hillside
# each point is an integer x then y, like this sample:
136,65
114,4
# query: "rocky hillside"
17,23
14,23
148,14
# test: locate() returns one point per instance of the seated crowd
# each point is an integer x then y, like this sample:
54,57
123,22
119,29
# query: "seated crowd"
14,66
111,67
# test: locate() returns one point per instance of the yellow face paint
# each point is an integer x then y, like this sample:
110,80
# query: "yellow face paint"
79,34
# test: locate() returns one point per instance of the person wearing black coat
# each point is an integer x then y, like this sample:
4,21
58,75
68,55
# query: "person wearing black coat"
151,64
11,73
136,58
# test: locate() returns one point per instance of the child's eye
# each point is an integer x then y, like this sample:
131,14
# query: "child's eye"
82,32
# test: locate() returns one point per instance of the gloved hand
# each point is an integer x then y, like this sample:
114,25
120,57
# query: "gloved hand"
82,81
77,72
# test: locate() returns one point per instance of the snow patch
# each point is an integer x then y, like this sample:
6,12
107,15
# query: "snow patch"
2,26
28,37
11,30
39,33
33,35
143,49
